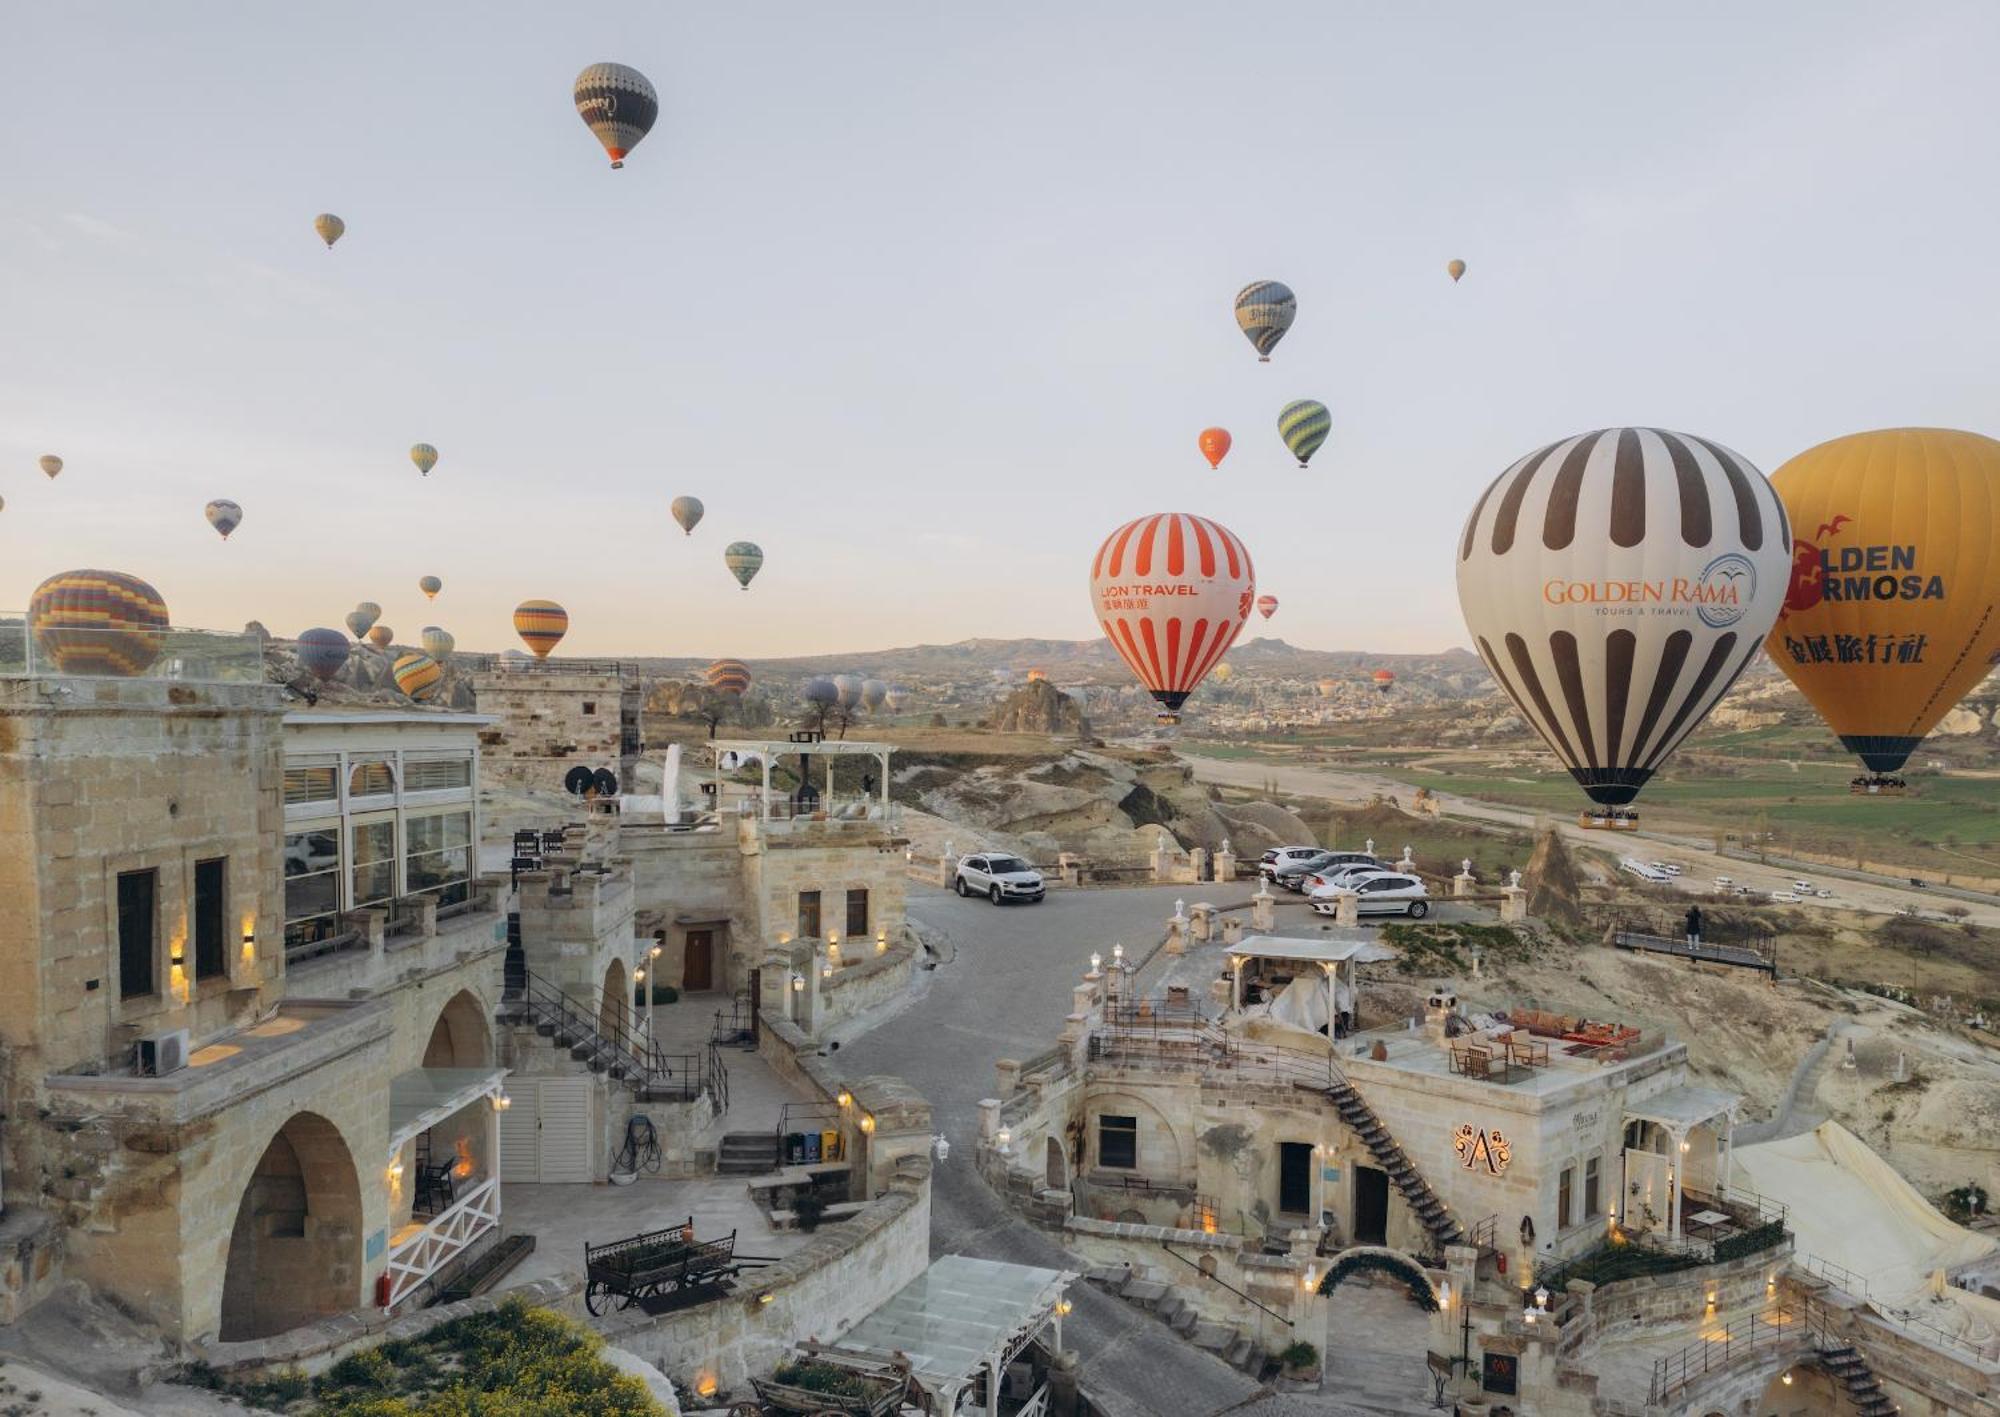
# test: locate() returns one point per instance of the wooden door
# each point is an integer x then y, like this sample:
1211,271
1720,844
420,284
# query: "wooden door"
698,969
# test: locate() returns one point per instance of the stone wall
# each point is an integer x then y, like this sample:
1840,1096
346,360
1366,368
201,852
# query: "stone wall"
550,722
866,980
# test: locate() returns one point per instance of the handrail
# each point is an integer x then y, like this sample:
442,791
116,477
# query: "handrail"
1196,1267
686,1075
1715,1353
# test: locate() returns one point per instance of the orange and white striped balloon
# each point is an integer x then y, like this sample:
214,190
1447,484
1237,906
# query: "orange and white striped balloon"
1172,591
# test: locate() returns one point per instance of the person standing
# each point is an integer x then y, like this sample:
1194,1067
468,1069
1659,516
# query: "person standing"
1694,927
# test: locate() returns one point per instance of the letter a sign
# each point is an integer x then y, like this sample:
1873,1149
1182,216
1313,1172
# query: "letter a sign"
1481,1150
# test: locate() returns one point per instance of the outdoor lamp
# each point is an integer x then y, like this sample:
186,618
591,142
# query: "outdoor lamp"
653,953
1063,1306
396,1169
1787,1379
1527,1229
1542,1298
826,970
502,1102
867,1123
798,983
844,1098
1684,1146
766,1297
1003,1138
1444,1294
1096,962
1118,954
1306,1283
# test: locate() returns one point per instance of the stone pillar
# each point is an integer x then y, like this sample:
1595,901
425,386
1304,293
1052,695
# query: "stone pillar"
1063,1377
1225,863
1347,909
947,868
1197,864
1513,904
989,1117
1070,866
1264,909
810,1013
1177,932
1204,921
1232,929
1160,861
1464,882
1007,1073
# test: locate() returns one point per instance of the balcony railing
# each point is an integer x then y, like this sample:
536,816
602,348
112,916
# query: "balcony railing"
422,1253
169,653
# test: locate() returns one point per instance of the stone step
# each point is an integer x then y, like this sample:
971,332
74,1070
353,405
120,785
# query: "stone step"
1143,1292
1237,1354
1185,1322
1214,1337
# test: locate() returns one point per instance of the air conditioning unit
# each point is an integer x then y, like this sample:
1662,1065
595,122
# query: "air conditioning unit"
162,1053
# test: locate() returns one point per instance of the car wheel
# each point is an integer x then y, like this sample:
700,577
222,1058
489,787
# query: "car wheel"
958,884
994,895
1419,909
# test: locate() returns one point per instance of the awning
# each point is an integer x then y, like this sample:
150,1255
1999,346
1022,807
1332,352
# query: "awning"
960,1315
1683,1107
422,1097
1362,949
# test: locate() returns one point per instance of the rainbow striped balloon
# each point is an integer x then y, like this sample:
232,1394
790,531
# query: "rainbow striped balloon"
728,676
541,624
418,676
1304,424
103,623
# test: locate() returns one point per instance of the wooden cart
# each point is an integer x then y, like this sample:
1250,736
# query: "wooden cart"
660,1269
887,1387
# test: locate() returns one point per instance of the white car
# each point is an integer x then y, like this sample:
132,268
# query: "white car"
999,877
1386,894
1724,882
1642,870
1285,856
1669,867
1338,878
1824,895
1803,887
1785,897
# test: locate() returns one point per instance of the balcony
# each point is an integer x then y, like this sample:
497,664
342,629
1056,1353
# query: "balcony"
171,653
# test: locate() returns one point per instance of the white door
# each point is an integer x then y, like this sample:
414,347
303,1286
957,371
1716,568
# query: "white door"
545,1135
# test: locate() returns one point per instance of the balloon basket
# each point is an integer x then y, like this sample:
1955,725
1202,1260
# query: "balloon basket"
1615,820
1880,785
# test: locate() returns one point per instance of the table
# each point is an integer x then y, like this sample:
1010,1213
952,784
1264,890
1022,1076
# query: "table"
1709,1220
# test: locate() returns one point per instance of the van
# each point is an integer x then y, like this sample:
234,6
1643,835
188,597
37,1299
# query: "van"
1724,881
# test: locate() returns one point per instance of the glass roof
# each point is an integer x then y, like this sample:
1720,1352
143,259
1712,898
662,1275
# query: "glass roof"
423,1097
958,1313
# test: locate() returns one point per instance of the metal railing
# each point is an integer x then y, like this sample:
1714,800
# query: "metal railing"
1218,1279
1174,1032
135,652
1743,1340
666,1076
1856,1286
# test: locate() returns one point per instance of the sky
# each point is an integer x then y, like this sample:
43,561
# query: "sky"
928,298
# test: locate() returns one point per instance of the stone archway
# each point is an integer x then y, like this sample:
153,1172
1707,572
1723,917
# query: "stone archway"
461,1038
1393,1263
615,1007
295,1251
1055,1170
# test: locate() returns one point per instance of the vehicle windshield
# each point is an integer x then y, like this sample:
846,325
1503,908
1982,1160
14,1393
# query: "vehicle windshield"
1004,865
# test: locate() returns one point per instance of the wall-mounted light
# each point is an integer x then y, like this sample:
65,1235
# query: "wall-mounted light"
833,938
1063,1307
653,953
1787,1379
1684,1146
1003,1138
867,1122
784,937
798,983
1310,1278
502,1102
881,944
706,1385
826,970
1444,1294
766,1297
396,1171
844,1098
249,943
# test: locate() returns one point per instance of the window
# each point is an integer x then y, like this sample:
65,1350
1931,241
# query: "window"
1118,1141
809,915
373,777
437,774
589,708
312,885
1593,1204
440,856
857,913
311,782
138,892
1564,1184
1295,1162
374,862
211,917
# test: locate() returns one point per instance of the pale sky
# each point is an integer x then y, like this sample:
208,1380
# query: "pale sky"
927,297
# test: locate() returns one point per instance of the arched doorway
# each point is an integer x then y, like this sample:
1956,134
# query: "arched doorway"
461,1038
295,1252
613,1008
1055,1169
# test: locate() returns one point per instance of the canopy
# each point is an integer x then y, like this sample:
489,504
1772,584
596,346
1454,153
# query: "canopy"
960,1315
1679,1108
422,1097
1362,949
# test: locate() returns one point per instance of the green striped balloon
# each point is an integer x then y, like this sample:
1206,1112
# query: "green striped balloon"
1304,424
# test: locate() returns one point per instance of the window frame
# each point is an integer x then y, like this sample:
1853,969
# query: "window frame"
1566,1197
362,762
858,895
352,863
304,766
292,922
133,953
451,890
211,955
810,932
1123,1126
1593,1187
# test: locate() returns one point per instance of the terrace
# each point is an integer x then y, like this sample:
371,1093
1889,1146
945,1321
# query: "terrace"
169,653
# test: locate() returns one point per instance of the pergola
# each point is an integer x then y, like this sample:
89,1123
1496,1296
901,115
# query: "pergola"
1678,1111
770,750
962,1317
418,1100
1329,954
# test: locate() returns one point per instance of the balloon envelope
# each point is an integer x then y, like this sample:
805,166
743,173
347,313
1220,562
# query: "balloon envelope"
619,106
51,464
744,560
224,515
896,698
1171,591
359,619
1616,583
381,637
98,623
330,228
425,457
1893,610
822,691
847,689
430,586
1304,424
688,512
728,676
1267,605
1265,309
873,692
322,653
1457,269
418,676
1214,443
438,642
541,624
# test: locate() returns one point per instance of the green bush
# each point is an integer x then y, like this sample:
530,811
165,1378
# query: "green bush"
1750,1242
1299,1354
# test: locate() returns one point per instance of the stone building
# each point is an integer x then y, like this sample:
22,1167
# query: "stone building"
552,717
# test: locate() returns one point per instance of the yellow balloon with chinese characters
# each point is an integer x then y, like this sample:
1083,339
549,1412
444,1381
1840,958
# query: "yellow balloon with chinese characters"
1893,609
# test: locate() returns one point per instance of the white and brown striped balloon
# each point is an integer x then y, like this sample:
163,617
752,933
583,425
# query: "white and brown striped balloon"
1172,592
1616,584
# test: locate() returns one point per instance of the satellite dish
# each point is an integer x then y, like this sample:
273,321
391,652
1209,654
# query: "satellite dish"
577,781
606,782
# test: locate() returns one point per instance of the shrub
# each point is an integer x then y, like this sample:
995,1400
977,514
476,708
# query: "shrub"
1299,1354
809,1206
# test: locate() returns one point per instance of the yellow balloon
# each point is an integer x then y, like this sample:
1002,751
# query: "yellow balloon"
1893,611
1455,269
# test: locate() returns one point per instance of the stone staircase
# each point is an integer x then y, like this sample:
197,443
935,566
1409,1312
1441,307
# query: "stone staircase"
1851,1371
571,1025
746,1154
1437,1221
1168,1304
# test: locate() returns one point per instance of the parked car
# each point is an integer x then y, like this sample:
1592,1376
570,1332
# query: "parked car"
1669,867
1803,887
1824,895
1387,894
1343,862
1292,874
1342,877
1785,897
1724,882
999,877
1640,869
1279,856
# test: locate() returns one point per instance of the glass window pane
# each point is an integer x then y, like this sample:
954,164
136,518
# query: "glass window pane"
311,783
371,778
307,852
374,862
437,868
437,774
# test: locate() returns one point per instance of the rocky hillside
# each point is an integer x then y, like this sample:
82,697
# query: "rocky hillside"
1040,707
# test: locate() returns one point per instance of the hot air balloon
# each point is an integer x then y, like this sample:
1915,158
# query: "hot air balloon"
3,504
1456,269
820,692
224,515
1267,605
541,624
847,688
98,623
873,692
438,642
1222,673
1327,688
896,698
322,653
743,559
619,106
1265,309
330,228
362,616
425,457
728,676
1304,424
1172,591
430,586
381,637
688,512
1616,583
1893,610
51,464
1038,676
418,676
1385,680
1214,443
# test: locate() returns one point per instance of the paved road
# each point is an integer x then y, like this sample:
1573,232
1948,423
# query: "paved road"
1003,994
1695,854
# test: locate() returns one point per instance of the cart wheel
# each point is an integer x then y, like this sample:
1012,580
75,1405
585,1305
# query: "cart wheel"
594,1296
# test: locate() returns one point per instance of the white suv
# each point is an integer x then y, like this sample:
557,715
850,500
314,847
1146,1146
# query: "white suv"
999,877
1279,856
